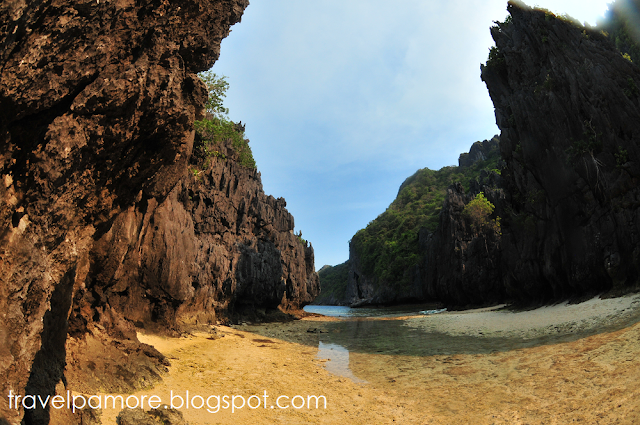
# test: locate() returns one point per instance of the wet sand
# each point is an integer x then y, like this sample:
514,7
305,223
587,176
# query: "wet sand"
591,380
593,315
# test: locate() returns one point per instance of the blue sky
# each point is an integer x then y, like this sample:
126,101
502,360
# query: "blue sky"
344,99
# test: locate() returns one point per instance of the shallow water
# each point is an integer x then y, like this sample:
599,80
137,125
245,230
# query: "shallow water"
392,311
337,360
361,331
393,337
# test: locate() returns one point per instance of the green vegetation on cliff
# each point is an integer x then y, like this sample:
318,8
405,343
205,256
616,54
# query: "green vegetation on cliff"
216,128
388,247
333,284
479,211
619,24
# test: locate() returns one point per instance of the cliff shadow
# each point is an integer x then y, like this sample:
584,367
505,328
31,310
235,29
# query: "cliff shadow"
48,365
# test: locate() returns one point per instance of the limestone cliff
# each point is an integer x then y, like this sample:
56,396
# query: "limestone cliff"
567,103
101,224
568,106
424,237
461,265
215,247
333,282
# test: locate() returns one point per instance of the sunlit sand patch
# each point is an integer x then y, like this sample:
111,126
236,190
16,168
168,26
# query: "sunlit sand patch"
591,380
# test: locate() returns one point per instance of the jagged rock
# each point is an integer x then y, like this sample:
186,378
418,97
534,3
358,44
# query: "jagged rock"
452,261
462,266
568,106
363,289
479,152
89,417
216,245
97,105
333,282
569,109
164,415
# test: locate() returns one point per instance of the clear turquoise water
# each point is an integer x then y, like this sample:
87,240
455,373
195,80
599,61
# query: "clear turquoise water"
363,312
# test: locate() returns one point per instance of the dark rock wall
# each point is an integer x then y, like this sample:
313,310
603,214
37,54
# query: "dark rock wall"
97,217
479,151
457,266
365,289
214,247
333,282
568,105
461,265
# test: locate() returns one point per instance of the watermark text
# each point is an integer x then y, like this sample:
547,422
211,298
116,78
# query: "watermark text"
210,403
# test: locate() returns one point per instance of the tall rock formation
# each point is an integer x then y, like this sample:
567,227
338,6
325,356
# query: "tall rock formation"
450,262
101,224
425,238
461,263
216,246
333,282
568,105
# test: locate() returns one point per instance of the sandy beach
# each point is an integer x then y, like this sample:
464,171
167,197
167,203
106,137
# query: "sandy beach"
593,315
590,378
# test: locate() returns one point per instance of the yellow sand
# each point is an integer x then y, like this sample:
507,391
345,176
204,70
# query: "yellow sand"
593,380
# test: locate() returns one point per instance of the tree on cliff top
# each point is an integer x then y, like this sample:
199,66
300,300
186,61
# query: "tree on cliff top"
216,128
217,89
388,248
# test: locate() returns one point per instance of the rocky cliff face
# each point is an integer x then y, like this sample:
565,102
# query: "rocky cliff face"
568,105
448,261
101,225
215,247
479,151
333,282
366,289
461,264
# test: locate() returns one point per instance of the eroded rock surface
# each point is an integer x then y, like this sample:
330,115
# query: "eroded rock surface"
216,247
456,265
568,105
461,266
101,225
164,415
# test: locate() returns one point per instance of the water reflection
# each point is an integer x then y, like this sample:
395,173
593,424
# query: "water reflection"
338,360
339,340
394,337
362,331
